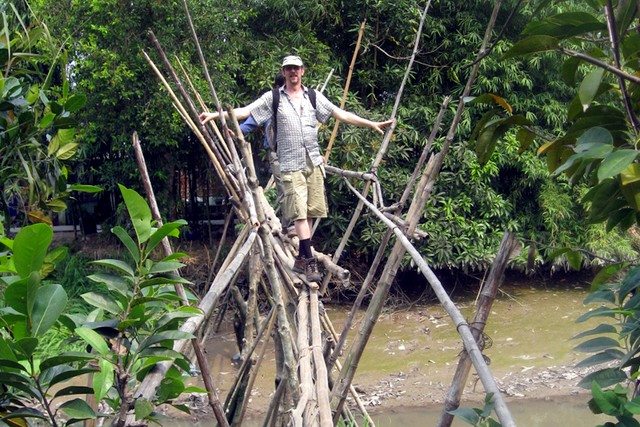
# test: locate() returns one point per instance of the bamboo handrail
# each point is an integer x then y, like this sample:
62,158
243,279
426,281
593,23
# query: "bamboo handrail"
452,310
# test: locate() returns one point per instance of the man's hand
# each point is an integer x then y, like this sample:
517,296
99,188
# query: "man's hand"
379,126
206,117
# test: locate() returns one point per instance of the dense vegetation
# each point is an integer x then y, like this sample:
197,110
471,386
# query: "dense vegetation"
474,201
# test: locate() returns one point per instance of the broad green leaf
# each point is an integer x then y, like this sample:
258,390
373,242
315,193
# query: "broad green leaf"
630,175
606,401
143,408
128,242
78,409
604,377
47,119
606,273
105,302
623,218
601,295
103,380
50,303
75,102
66,135
94,340
84,188
165,267
30,248
595,345
565,25
139,213
598,312
68,357
603,328
575,259
615,163
606,356
19,382
117,265
164,336
111,281
532,44
589,86
569,69
155,281
67,151
162,232
27,346
489,98
73,390
630,282
170,388
633,406
467,414
71,373
525,137
21,294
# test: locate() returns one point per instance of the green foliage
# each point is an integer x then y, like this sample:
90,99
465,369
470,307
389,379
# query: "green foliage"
138,318
37,125
598,146
31,308
613,343
476,416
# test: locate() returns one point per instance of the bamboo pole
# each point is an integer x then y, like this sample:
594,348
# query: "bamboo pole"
383,147
462,326
214,402
485,302
300,415
345,91
322,377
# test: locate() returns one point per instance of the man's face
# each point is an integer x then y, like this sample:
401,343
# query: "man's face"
292,73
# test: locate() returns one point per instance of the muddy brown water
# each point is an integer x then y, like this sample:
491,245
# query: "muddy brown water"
410,359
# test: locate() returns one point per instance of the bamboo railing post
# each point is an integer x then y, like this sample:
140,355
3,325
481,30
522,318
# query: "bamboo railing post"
214,402
485,302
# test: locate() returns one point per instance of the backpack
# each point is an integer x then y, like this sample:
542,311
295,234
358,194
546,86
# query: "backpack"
275,92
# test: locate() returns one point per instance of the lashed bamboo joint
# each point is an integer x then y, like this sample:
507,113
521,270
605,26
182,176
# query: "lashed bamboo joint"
306,345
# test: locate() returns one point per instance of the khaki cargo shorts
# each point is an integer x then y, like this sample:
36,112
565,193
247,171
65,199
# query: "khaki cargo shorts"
304,195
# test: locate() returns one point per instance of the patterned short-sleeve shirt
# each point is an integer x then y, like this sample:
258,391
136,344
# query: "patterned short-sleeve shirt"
297,130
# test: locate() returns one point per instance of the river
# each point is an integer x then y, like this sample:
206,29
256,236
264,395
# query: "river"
408,363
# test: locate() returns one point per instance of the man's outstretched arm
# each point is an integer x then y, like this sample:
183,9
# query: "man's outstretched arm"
354,119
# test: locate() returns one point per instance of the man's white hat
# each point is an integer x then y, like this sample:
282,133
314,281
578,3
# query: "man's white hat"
292,60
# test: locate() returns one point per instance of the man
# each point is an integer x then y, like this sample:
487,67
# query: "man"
298,151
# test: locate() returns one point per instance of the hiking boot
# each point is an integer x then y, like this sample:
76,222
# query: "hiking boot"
312,273
299,265
308,267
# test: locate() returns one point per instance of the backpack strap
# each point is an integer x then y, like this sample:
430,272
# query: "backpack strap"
312,97
275,95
